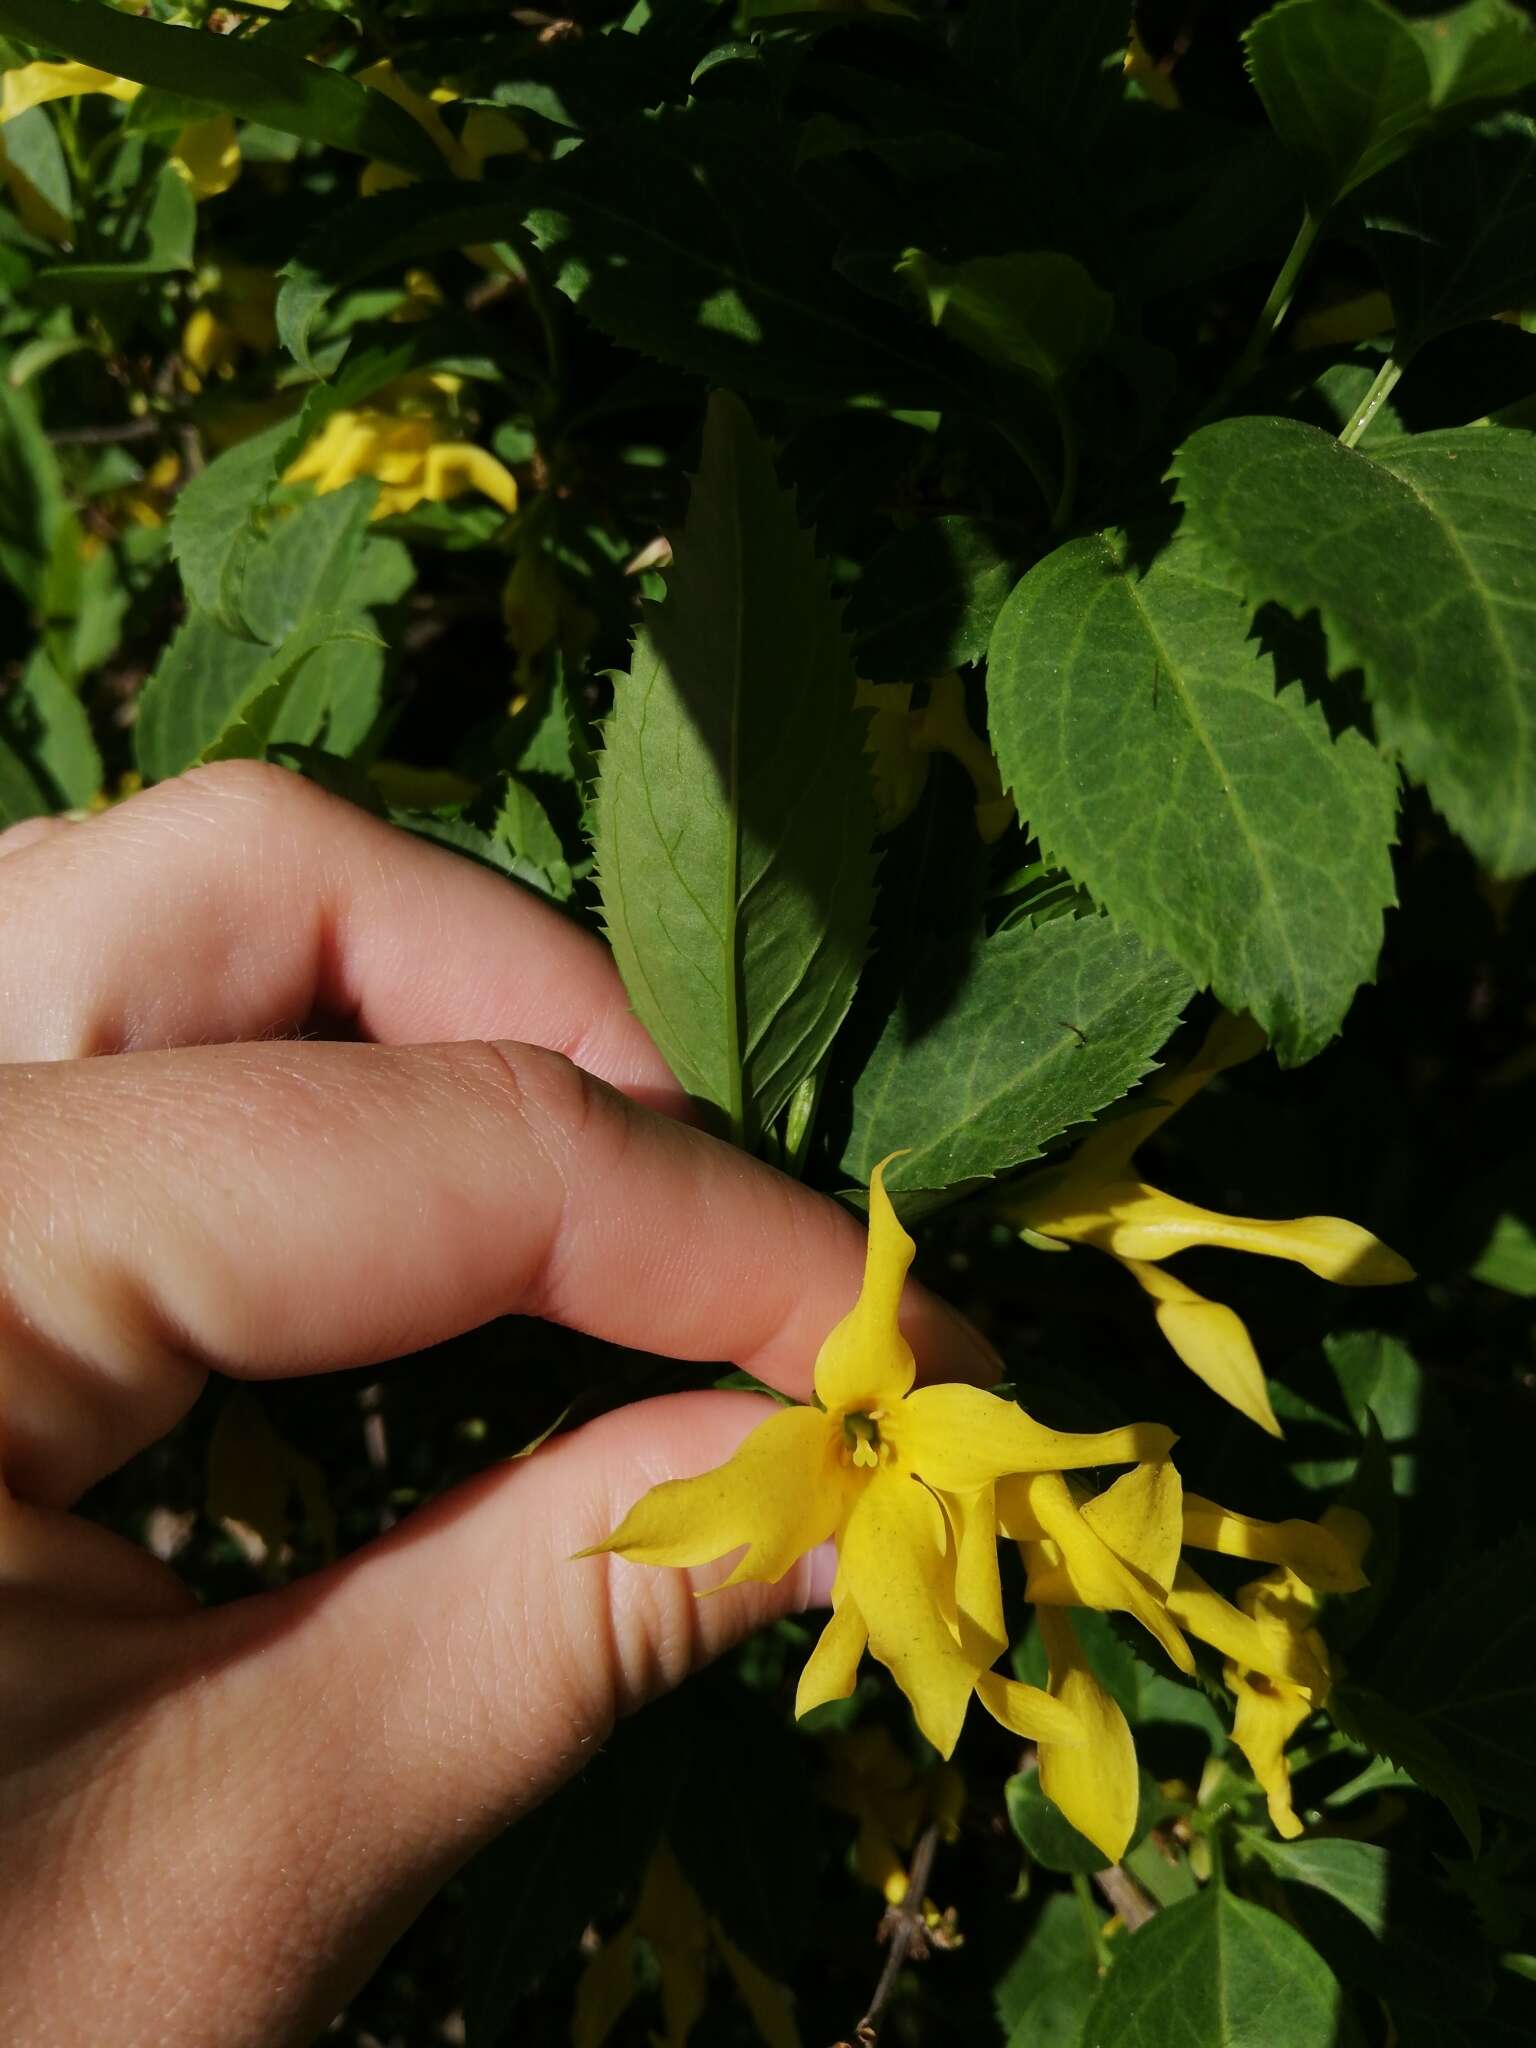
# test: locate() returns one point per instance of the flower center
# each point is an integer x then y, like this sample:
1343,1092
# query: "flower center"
861,1436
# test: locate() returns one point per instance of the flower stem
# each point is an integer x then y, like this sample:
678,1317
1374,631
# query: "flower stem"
1381,389
1093,1925
1069,462
1281,292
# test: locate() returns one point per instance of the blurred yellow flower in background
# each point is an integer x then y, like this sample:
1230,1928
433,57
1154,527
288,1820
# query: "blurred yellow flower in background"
901,743
872,1780
1095,1197
206,153
671,1920
238,311
408,439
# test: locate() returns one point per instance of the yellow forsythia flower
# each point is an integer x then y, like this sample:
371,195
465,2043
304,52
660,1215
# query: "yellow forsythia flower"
408,441
917,1578
1095,1197
670,1918
902,741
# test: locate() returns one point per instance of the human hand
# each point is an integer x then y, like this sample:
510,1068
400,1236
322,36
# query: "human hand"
212,1823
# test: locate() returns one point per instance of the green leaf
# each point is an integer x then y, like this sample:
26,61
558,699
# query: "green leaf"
1140,728
1465,1662
1357,1874
21,794
1508,1258
212,522
1417,556
522,824
1216,1972
1453,229
732,819
236,73
1040,315
45,725
1050,1837
1389,1730
31,146
385,232
1053,1952
1053,2014
165,239
32,502
683,234
1350,85
927,600
1043,1027
265,714
208,676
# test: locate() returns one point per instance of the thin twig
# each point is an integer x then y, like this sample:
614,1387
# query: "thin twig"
370,1400
143,429
1125,1897
903,1928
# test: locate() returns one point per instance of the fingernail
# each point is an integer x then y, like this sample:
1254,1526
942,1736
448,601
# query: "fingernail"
821,1570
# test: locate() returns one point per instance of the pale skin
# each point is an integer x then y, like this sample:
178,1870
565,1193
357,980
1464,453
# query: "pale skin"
213,1823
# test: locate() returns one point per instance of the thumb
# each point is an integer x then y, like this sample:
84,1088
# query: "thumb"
317,1761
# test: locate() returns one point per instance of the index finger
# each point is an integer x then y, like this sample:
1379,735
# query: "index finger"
238,901
279,1209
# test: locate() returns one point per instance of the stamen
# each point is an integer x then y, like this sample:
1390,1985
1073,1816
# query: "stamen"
862,1438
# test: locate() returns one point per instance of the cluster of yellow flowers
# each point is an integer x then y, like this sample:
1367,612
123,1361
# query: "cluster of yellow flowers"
916,1485
408,439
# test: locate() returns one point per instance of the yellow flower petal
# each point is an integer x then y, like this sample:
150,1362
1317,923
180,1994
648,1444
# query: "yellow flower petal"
780,1494
1032,1715
894,1560
832,1669
865,1362
962,1438
1095,1783
1136,1221
1315,1554
1097,1577
207,154
1212,1340
456,466
765,1997
33,85
606,1990
1268,1647
1015,1516
978,1585
1141,1518
1267,1716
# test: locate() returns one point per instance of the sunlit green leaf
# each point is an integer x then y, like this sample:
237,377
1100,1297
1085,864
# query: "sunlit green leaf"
1421,559
1139,724
1000,1047
733,820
